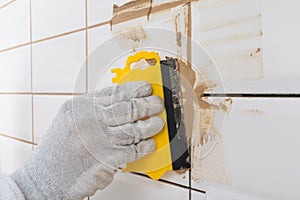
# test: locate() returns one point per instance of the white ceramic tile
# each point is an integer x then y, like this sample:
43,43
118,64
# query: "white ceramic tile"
98,36
198,196
230,32
227,193
15,24
281,44
12,154
45,110
99,40
260,144
55,17
101,11
124,38
178,178
274,68
15,70
59,64
15,116
133,187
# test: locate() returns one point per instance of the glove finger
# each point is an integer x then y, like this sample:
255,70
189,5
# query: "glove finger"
136,151
132,133
127,112
125,92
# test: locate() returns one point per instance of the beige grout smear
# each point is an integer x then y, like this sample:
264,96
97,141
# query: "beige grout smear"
232,38
6,3
231,32
203,126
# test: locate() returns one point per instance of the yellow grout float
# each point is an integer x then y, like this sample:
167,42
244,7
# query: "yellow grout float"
171,143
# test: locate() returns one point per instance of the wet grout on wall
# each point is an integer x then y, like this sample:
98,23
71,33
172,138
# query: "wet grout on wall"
184,18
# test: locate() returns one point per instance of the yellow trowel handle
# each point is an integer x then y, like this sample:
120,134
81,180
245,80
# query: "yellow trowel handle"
134,58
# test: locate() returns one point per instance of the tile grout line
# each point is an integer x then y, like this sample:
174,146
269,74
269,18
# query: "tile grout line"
17,139
86,48
162,181
54,36
14,47
189,58
86,52
31,77
7,4
99,24
169,183
58,35
233,95
68,33
41,93
253,95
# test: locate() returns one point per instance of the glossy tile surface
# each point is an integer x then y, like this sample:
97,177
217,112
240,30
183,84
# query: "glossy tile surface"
12,154
15,24
55,17
133,187
15,70
45,110
15,116
59,64
101,11
253,146
198,196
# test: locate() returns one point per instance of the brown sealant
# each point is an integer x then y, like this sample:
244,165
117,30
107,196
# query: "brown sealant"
140,8
178,31
258,50
206,131
132,37
150,8
193,94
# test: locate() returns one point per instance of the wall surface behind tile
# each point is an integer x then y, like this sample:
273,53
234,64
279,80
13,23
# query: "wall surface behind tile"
48,54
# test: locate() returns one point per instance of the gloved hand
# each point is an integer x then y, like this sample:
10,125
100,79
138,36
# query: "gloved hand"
89,139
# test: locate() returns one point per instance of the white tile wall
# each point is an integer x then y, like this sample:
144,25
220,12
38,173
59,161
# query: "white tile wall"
230,33
133,187
260,141
15,70
59,64
101,11
15,116
45,110
12,154
99,40
5,2
179,178
198,196
241,72
15,24
97,36
281,46
56,17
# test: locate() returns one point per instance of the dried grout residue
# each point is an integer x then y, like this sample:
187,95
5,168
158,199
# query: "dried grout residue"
204,121
131,37
203,117
233,37
6,3
140,8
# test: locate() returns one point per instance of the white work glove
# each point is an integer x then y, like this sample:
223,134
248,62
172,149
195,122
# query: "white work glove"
89,139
